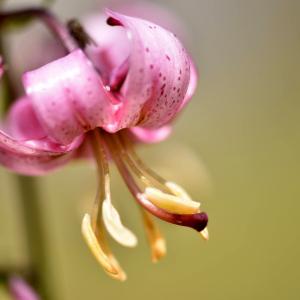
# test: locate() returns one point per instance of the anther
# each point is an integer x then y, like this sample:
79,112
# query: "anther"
196,221
97,247
114,226
204,233
177,190
156,240
171,203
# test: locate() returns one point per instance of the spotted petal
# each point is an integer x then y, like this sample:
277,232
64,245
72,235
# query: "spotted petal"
24,158
69,98
23,146
158,75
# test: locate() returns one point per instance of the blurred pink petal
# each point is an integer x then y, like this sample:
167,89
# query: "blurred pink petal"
1,67
22,121
192,85
145,135
21,290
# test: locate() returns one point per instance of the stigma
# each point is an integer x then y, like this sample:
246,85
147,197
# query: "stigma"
155,196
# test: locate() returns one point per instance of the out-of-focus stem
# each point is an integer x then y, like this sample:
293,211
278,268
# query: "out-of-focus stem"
9,93
58,29
36,238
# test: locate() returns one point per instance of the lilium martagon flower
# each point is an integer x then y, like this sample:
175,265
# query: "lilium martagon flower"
107,105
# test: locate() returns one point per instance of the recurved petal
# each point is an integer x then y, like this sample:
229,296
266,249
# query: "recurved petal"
69,98
31,164
111,46
22,122
192,85
34,157
158,75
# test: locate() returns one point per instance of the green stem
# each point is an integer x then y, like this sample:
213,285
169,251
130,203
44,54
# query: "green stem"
34,228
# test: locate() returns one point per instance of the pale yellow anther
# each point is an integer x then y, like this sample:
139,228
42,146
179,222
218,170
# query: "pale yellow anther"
106,260
156,240
204,233
177,190
114,226
171,203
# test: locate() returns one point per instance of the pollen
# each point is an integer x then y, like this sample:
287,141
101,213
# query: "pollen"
171,203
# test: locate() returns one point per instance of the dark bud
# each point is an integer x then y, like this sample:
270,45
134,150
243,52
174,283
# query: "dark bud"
79,34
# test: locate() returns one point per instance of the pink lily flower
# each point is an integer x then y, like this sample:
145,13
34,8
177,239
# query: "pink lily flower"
128,87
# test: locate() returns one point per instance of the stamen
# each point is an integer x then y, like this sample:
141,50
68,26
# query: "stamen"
170,203
198,221
114,226
122,150
178,190
111,217
98,248
138,166
156,240
92,226
170,196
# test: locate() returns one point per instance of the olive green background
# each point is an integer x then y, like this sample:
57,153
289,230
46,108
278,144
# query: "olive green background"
236,148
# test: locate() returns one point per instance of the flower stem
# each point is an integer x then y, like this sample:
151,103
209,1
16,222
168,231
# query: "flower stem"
34,230
58,29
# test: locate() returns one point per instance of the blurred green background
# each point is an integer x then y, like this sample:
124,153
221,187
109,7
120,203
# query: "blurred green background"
236,148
